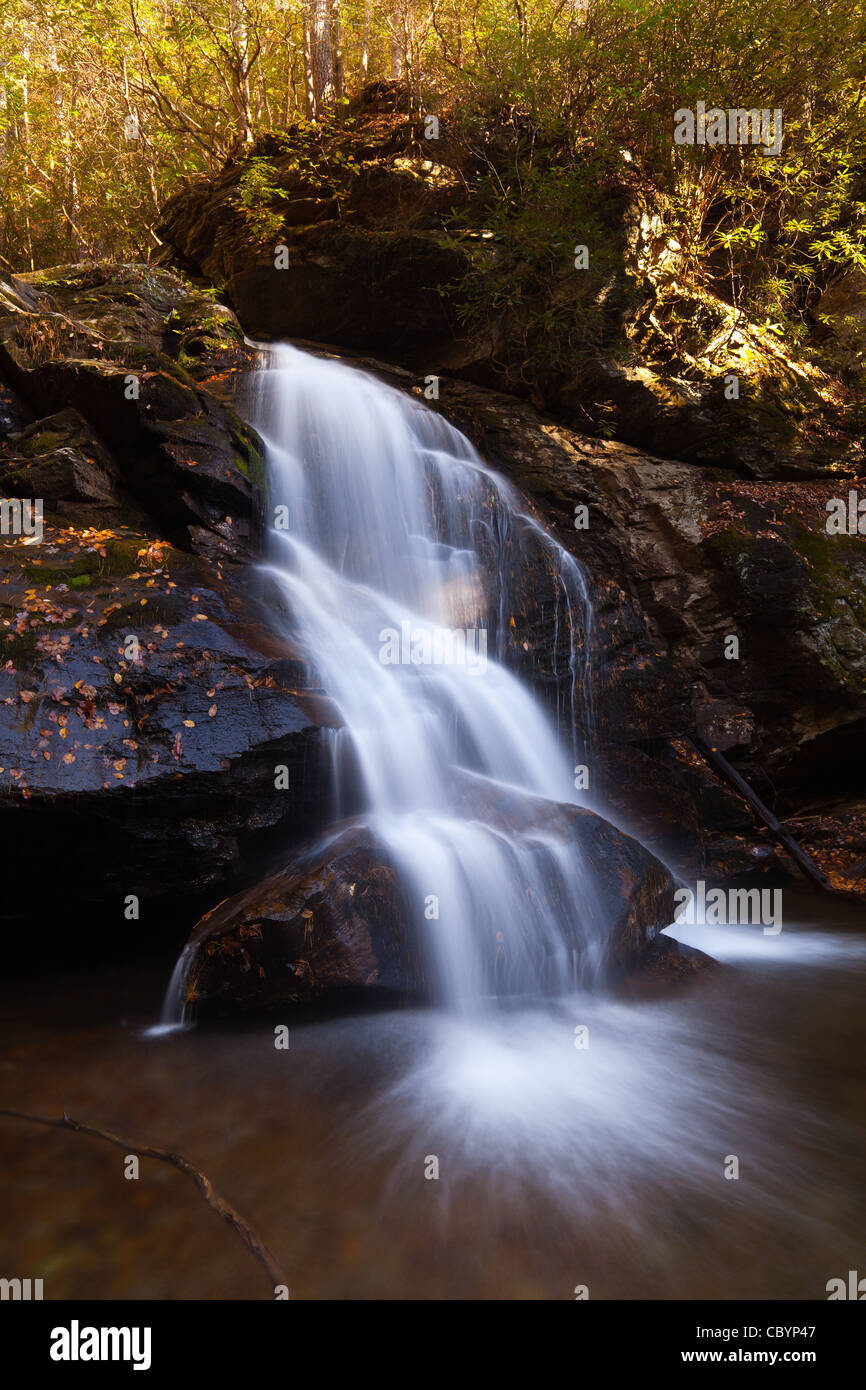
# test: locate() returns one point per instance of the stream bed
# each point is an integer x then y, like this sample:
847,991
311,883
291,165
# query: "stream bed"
559,1165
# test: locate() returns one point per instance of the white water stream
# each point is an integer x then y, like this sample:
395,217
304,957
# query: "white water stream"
398,560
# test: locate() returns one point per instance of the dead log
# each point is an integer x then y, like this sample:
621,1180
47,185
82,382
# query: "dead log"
734,779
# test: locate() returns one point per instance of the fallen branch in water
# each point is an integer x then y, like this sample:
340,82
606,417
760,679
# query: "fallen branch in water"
804,861
256,1247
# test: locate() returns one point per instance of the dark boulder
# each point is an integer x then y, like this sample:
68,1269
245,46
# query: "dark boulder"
336,921
146,699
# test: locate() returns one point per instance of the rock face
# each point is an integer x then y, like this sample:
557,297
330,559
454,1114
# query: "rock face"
707,520
144,700
114,346
678,559
147,701
353,275
150,714
335,922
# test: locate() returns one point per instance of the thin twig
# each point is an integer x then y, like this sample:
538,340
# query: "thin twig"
256,1247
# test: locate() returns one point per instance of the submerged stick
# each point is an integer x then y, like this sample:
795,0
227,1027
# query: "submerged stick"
256,1247
803,860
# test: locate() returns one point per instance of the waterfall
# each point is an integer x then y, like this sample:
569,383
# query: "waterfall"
397,561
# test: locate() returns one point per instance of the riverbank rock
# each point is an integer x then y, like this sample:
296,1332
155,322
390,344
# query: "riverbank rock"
129,350
665,964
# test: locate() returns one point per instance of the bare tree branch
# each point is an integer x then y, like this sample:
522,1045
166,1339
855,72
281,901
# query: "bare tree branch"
254,1244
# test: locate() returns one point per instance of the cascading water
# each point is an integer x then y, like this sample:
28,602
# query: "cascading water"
398,559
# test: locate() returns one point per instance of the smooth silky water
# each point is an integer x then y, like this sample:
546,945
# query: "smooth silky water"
395,560
558,1166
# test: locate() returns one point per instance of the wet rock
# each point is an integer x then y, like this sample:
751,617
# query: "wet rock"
81,338
664,964
335,921
145,697
142,698
678,560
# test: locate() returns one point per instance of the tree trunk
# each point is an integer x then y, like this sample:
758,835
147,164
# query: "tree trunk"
365,42
322,56
396,43
804,861
309,83
337,49
239,75
25,141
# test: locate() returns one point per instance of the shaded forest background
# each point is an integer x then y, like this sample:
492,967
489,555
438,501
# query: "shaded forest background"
107,109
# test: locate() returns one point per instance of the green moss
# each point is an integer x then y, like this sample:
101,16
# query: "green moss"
121,558
837,569
248,452
42,442
82,565
730,546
